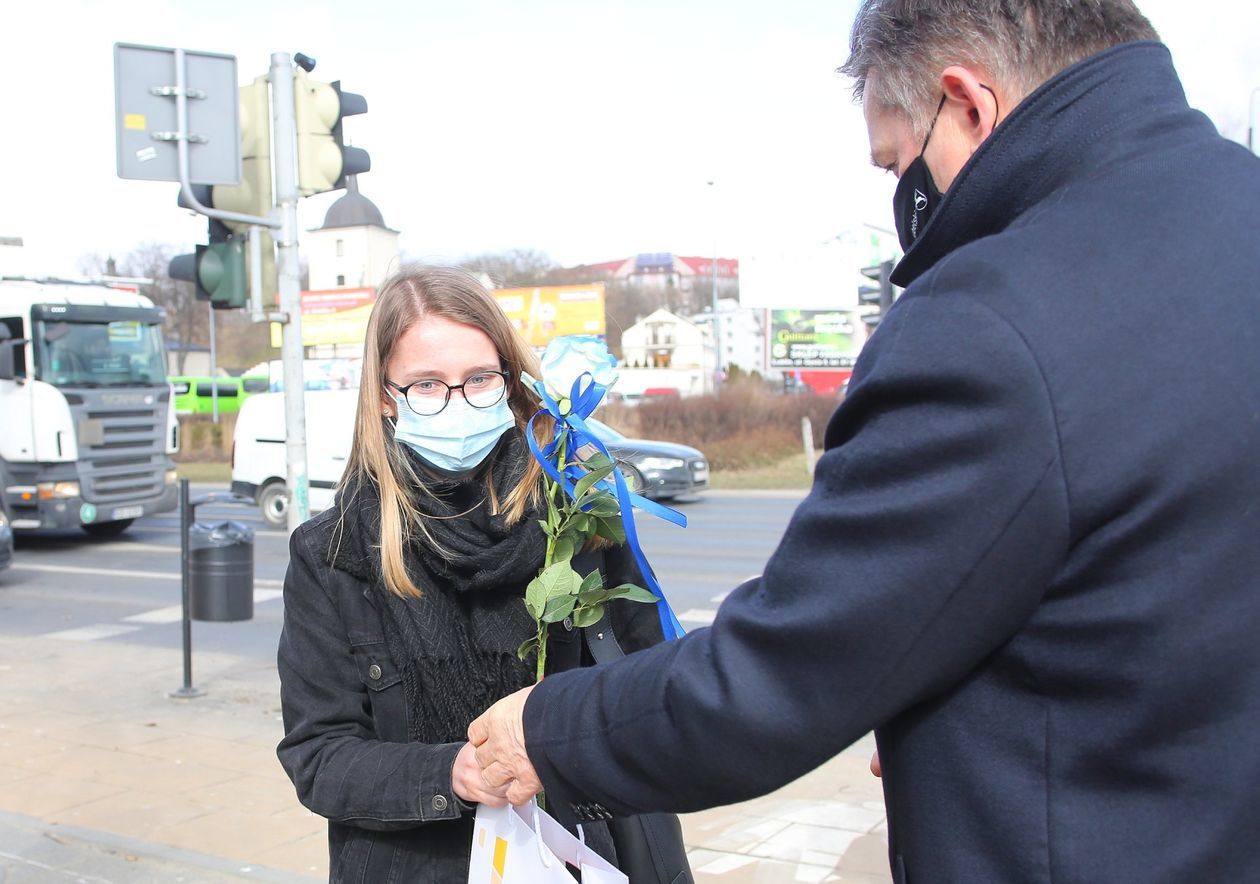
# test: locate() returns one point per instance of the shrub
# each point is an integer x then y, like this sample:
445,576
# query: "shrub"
742,426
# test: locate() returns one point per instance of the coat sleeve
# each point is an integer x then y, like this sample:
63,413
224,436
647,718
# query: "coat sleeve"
937,515
330,750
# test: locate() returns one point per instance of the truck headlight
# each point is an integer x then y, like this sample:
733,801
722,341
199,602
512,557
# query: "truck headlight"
54,490
172,476
661,463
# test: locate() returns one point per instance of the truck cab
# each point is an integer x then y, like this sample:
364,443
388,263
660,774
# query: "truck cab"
86,411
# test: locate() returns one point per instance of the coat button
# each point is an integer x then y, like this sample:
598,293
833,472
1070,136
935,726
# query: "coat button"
568,624
374,672
439,803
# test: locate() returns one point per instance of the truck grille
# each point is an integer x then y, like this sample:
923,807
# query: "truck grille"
122,447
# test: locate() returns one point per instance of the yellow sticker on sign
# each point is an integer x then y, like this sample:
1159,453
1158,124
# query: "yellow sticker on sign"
135,121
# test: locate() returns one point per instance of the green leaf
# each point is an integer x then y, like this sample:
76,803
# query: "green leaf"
536,597
558,580
588,616
611,529
593,580
585,483
593,597
563,550
546,524
582,524
604,505
529,646
558,607
597,461
632,593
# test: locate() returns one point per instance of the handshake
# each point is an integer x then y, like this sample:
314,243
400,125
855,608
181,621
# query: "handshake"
492,767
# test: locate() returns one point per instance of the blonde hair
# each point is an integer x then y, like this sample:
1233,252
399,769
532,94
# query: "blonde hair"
376,458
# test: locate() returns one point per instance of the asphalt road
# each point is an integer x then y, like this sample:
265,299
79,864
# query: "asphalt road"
69,587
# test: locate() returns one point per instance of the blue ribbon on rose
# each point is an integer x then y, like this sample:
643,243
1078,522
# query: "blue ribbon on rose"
585,396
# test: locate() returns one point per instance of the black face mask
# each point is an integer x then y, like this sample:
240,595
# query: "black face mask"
917,195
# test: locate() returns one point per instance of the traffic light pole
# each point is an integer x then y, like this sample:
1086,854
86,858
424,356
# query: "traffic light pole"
289,285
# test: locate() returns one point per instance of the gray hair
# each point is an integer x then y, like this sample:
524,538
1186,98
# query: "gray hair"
1021,43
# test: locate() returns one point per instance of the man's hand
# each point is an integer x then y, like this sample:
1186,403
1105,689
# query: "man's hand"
876,768
499,738
468,783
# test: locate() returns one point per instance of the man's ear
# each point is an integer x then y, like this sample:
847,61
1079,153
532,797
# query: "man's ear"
978,105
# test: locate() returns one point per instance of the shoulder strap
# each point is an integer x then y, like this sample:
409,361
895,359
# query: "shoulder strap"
601,641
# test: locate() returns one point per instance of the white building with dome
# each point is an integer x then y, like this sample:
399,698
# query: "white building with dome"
354,248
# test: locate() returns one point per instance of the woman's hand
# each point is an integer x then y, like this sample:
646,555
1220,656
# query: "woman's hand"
469,785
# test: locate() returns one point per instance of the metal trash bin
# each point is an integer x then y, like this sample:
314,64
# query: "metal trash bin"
221,571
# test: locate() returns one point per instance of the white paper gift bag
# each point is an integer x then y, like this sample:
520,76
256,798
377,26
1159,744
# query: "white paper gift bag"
523,845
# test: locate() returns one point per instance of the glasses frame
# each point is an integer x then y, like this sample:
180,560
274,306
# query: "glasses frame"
503,373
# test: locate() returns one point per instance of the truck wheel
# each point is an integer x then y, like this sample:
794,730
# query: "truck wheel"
273,500
106,530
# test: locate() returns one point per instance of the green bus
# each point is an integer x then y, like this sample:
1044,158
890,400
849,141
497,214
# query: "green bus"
195,395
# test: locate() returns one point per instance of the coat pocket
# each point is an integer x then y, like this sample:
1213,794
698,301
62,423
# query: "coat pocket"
383,681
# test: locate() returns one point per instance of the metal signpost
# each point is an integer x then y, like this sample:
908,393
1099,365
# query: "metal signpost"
178,120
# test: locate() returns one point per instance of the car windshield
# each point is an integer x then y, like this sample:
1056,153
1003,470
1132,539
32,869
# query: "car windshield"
123,353
603,432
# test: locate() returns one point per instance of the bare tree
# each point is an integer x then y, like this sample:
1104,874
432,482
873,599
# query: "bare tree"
186,317
515,267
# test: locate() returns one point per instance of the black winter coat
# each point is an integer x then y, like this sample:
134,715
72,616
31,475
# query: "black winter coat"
1031,555
393,816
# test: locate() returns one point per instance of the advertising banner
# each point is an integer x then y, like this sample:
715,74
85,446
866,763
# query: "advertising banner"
816,339
333,316
545,312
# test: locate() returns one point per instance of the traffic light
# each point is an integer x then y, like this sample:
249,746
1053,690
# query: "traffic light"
218,269
882,294
253,195
221,268
324,161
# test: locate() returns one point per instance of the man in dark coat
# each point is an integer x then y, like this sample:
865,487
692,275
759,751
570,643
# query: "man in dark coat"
1030,560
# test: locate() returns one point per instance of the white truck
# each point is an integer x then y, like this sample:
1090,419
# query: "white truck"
258,449
87,425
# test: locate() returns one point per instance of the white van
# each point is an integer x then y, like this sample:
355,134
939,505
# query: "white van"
258,454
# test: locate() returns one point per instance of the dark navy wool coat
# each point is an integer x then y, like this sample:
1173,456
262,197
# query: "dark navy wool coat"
1031,556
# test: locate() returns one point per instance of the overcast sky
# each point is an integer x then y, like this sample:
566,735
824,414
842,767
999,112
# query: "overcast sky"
583,128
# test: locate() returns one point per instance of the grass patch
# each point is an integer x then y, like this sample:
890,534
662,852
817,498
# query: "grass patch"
786,474
197,471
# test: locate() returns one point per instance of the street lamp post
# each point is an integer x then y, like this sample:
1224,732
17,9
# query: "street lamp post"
717,322
1251,119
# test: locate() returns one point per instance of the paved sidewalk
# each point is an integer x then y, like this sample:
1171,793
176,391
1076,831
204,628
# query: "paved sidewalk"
104,778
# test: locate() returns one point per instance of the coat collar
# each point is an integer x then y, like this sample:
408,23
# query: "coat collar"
1097,112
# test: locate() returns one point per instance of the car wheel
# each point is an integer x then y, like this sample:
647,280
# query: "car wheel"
273,500
634,479
106,530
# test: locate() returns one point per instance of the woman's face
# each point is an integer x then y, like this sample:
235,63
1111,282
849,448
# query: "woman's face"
436,348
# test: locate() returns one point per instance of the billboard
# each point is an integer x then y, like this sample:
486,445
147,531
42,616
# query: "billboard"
545,312
815,339
333,316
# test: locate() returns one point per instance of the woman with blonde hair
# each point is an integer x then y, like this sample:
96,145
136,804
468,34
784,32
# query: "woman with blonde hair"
404,601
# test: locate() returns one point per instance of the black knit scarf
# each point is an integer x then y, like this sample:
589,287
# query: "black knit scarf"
456,645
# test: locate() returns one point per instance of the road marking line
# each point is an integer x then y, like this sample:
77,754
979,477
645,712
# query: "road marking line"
92,633
172,614
698,615
175,613
77,876
113,572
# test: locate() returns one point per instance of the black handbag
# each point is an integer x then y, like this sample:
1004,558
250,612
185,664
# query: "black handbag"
650,847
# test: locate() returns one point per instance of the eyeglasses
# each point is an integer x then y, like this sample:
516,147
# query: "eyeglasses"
429,396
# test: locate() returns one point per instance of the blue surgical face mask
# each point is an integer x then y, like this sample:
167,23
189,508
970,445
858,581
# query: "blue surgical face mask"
456,439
